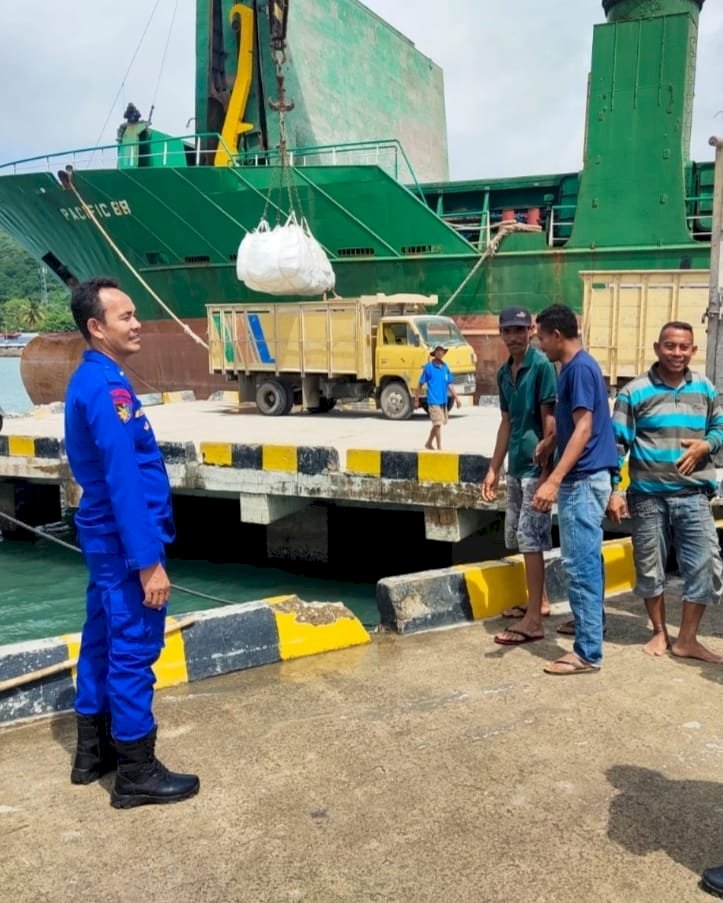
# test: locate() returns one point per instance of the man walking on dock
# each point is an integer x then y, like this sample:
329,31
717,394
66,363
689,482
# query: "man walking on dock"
124,522
579,482
527,385
439,380
670,422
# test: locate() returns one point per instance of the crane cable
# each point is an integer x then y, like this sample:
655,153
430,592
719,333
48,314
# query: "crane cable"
163,62
123,80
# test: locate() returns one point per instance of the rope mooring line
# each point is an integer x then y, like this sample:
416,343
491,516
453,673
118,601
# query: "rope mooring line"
67,545
88,210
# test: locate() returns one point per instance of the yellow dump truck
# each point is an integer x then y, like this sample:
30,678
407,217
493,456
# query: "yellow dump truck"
315,353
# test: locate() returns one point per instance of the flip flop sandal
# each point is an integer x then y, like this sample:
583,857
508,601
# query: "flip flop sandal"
563,666
523,638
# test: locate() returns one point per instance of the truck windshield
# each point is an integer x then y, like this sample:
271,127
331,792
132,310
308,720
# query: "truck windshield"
439,331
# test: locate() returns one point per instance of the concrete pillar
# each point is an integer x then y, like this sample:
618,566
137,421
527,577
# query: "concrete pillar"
301,537
451,524
265,509
714,350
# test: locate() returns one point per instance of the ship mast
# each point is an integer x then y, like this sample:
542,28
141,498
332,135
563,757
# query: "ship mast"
633,186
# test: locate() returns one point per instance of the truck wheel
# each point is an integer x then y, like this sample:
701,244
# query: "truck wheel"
272,398
395,401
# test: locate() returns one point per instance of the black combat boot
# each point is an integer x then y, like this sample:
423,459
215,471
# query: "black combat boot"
142,779
94,755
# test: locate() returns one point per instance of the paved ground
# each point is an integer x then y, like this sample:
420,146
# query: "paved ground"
470,429
436,767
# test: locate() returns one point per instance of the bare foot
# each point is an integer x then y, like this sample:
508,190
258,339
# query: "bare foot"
658,645
427,445
545,610
696,650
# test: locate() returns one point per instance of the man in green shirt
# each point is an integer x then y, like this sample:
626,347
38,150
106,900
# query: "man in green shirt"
527,385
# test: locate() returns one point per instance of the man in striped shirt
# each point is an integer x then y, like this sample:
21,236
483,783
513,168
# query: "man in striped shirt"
670,423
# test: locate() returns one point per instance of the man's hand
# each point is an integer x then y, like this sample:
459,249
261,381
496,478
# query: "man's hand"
696,450
543,450
416,401
545,496
156,585
489,485
617,508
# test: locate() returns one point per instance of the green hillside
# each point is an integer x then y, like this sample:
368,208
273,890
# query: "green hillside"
25,302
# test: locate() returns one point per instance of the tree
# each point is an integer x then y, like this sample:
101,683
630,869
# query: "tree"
15,314
58,318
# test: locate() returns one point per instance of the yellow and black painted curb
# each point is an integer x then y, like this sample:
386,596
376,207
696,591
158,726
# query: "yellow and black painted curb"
417,466
304,459
422,466
471,592
38,677
30,447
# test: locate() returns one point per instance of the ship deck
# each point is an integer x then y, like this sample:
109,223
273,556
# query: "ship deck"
416,768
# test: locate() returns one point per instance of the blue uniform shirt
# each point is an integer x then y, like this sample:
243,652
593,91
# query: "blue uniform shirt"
125,508
437,377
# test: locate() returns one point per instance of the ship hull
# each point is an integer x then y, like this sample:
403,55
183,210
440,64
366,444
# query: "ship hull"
179,230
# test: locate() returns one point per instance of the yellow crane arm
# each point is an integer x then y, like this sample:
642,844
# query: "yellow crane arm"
234,124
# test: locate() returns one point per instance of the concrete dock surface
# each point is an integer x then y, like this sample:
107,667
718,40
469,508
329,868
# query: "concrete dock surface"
471,429
430,767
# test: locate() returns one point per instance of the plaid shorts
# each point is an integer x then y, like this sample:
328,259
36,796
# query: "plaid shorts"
526,529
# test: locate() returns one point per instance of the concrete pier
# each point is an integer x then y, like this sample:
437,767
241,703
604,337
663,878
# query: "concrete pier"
283,470
414,769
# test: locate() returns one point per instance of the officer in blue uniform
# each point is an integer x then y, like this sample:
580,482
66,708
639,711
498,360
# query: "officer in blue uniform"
124,522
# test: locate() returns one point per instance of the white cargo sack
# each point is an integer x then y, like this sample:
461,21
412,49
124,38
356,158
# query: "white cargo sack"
285,260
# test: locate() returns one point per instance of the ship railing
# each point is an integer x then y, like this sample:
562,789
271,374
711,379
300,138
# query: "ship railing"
700,221
560,223
479,226
199,147
387,154
474,225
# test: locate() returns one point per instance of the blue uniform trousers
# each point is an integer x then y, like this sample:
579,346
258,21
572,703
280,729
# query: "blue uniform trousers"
121,640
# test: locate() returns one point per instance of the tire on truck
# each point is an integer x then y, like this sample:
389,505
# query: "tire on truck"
395,401
273,398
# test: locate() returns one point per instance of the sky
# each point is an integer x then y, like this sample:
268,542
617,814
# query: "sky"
515,74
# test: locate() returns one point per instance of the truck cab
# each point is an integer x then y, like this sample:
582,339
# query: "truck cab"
404,345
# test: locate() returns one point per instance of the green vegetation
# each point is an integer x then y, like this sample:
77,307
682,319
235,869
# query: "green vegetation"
25,304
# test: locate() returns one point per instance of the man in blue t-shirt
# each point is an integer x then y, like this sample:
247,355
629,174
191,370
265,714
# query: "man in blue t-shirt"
439,380
580,482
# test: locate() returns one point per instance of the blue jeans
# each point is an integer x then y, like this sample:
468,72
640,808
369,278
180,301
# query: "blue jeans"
581,508
686,522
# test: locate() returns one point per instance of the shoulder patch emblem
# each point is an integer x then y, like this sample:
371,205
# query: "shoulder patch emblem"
123,404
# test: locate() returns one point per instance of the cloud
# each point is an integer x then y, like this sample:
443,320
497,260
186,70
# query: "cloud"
515,75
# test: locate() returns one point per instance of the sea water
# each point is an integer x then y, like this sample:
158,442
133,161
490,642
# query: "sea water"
42,585
13,397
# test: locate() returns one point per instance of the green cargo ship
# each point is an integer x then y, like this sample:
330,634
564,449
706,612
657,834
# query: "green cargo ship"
167,214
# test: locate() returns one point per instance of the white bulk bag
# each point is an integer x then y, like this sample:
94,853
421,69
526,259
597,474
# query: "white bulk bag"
285,260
